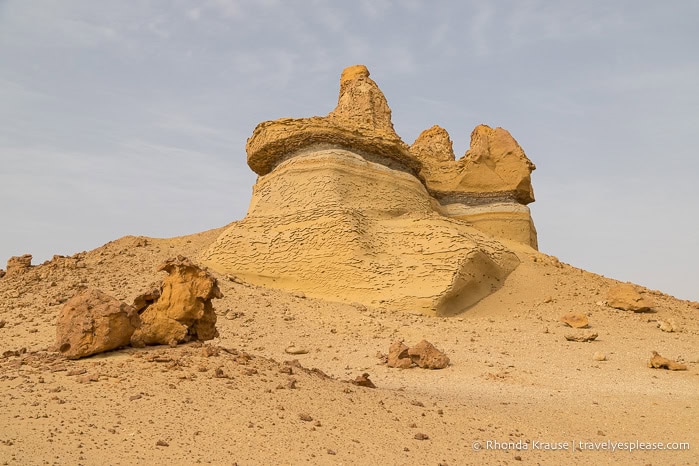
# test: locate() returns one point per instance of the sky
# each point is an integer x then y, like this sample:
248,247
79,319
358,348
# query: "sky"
130,118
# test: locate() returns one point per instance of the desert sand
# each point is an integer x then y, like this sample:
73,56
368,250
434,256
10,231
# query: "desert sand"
276,385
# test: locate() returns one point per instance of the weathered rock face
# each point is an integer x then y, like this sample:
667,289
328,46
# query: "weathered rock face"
360,122
488,188
629,297
92,322
340,211
17,265
181,310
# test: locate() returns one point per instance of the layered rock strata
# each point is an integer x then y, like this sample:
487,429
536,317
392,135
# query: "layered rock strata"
344,210
488,187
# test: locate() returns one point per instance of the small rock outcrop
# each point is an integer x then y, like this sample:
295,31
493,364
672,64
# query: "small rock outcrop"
398,355
92,322
575,320
340,211
629,297
17,265
2,273
181,310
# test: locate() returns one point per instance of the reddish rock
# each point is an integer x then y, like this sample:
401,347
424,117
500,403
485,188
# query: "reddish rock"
398,355
92,322
425,355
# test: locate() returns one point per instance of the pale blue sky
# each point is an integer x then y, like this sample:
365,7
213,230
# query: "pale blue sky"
130,117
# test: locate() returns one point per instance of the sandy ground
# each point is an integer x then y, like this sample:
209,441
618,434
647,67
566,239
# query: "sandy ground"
516,392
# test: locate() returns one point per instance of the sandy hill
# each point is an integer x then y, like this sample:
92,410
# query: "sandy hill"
354,240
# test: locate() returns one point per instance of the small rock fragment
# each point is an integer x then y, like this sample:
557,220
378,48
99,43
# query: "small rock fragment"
669,325
162,443
421,436
659,362
599,356
305,417
582,337
363,381
575,320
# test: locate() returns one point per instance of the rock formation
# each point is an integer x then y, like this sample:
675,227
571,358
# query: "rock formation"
181,310
17,265
424,355
92,322
488,187
629,297
344,210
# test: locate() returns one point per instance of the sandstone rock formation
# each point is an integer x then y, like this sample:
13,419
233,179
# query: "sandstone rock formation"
488,187
17,265
398,355
92,322
342,210
629,297
181,310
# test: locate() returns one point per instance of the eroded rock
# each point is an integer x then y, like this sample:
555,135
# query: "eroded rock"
17,265
629,297
425,355
575,320
93,322
659,362
398,355
183,310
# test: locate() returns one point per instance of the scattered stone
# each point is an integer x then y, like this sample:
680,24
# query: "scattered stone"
669,325
599,356
582,337
363,381
92,322
629,297
17,265
3,323
162,443
331,452
659,362
295,350
421,436
425,355
305,417
575,320
398,355
183,310
2,273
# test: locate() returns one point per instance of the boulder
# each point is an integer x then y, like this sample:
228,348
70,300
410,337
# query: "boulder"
398,356
629,297
182,310
425,355
17,265
93,322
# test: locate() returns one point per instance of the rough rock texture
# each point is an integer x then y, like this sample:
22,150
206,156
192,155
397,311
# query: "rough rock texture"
183,310
398,355
489,187
349,220
92,322
629,297
425,355
659,362
575,320
17,265
361,121
2,273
